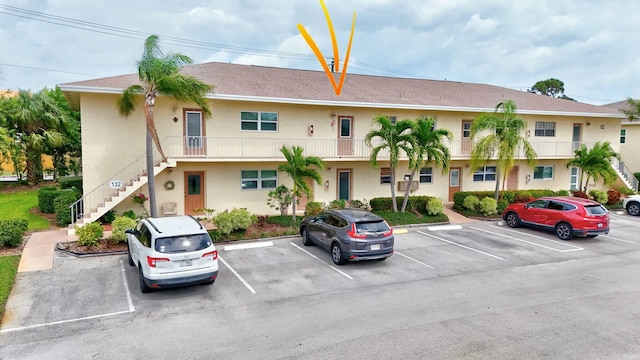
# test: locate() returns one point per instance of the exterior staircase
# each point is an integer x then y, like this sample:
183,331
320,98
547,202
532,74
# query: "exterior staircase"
625,175
112,192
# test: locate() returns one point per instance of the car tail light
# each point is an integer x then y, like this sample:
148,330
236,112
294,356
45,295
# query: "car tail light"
152,261
388,233
352,233
213,254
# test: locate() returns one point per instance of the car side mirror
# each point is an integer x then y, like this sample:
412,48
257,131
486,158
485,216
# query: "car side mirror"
129,231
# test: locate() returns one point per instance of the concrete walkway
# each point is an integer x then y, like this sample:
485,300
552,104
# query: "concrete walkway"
454,217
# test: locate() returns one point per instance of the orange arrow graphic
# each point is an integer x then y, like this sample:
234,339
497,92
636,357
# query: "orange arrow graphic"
312,44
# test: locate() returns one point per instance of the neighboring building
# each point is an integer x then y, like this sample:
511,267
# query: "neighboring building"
231,159
629,136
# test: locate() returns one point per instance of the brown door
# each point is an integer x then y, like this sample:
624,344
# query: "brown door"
512,179
193,192
466,145
345,135
455,181
304,199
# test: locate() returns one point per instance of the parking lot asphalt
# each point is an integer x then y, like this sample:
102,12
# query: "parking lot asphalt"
467,265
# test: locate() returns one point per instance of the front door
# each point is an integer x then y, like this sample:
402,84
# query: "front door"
193,192
455,183
304,199
344,184
577,136
512,180
194,132
466,144
345,135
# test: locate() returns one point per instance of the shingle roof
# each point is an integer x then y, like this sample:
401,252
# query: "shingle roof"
233,80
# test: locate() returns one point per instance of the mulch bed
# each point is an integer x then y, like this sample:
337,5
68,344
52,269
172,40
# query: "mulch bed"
105,247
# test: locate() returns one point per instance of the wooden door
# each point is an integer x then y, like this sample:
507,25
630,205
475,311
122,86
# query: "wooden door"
512,179
345,135
193,192
455,181
304,199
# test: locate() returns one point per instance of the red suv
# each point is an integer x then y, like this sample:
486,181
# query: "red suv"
567,216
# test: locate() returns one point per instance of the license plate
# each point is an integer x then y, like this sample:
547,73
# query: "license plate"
186,262
599,225
375,247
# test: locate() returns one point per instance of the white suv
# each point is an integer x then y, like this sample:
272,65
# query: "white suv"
172,251
632,205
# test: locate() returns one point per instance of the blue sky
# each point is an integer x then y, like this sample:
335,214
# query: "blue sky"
590,45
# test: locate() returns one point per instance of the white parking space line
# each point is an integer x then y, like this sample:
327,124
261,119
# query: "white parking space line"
574,248
246,284
616,239
444,227
251,245
315,257
130,303
460,245
412,259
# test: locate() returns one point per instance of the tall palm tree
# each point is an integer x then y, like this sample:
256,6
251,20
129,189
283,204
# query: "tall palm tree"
159,74
503,140
595,163
300,168
395,138
633,111
427,146
37,123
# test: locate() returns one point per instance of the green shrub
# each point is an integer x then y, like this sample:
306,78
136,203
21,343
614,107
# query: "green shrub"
284,220
627,191
108,217
508,196
71,182
280,199
381,204
46,196
637,175
12,232
523,197
337,204
599,196
130,214
89,234
357,204
471,202
562,193
120,224
434,206
502,204
313,208
236,220
488,206
61,205
613,196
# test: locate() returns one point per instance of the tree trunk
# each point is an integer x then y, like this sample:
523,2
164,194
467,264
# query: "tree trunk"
293,208
148,112
393,189
151,183
406,194
32,168
497,191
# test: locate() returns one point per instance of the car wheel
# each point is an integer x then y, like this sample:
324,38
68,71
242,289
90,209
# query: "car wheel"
512,220
130,258
336,254
564,231
633,208
144,288
305,237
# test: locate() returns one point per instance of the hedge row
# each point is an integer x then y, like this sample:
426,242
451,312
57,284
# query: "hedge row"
419,203
510,196
12,231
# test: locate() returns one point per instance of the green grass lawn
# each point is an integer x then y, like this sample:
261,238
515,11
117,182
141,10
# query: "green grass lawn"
8,270
18,205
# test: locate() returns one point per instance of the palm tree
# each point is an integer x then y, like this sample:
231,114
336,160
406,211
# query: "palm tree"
37,123
595,163
395,138
633,113
427,147
299,168
504,141
159,74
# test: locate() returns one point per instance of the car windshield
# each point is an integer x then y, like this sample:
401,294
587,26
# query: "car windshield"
595,209
184,243
371,227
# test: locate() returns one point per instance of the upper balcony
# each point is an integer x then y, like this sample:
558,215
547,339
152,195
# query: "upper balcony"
251,149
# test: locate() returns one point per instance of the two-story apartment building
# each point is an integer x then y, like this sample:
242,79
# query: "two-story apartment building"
629,135
231,159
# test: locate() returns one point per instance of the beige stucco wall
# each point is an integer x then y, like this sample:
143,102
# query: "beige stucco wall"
111,141
629,150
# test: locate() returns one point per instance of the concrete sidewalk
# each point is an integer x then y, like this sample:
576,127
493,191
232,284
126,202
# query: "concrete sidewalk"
454,217
38,251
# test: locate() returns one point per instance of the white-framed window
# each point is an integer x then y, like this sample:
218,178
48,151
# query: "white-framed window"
466,129
543,172
426,175
258,121
435,121
545,128
259,179
393,119
573,183
623,136
385,175
193,129
485,173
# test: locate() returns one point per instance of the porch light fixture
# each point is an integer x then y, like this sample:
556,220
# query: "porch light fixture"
175,119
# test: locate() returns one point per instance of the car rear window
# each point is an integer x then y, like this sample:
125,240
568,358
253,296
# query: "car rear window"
595,209
185,243
371,227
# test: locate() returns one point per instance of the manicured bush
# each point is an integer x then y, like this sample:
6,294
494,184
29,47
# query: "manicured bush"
120,224
357,204
522,197
562,193
108,217
599,196
637,175
337,204
313,208
12,232
61,205
71,182
46,196
89,234
381,204
502,204
130,214
471,202
236,220
434,206
580,194
280,199
488,206
613,196
626,191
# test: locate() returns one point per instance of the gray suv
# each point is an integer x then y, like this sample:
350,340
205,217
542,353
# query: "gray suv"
349,234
